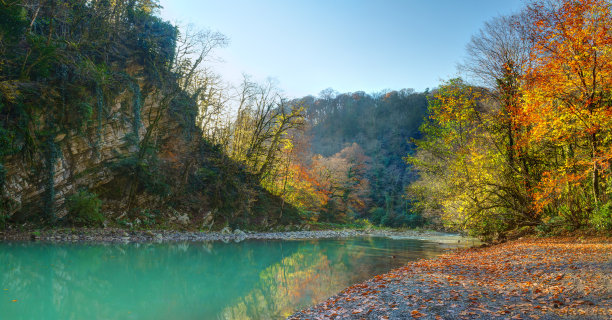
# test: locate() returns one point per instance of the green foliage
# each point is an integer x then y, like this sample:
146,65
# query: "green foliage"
125,223
331,213
363,224
488,226
2,177
601,219
136,109
99,111
12,23
358,224
396,219
146,174
84,209
185,110
404,220
307,216
552,225
149,218
376,215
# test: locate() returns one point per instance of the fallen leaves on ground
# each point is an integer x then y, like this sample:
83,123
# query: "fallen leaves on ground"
557,278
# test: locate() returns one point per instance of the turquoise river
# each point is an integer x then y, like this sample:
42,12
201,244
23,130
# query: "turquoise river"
254,279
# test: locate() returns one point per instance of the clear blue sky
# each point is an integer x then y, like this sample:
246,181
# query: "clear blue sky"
348,45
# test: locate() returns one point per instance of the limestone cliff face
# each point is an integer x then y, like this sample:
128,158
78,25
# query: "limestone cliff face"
145,163
88,160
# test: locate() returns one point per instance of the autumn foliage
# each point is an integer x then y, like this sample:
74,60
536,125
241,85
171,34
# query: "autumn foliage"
567,95
325,189
532,145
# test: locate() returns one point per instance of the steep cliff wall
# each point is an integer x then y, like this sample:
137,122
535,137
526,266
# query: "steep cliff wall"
91,98
86,160
176,176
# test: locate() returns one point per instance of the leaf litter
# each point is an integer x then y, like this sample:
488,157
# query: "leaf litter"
553,278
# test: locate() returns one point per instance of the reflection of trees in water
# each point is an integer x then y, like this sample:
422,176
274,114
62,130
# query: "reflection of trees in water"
294,280
316,271
38,277
260,279
152,281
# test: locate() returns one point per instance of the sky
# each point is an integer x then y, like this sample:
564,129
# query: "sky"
348,45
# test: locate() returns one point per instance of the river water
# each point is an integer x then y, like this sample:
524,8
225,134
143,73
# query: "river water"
254,279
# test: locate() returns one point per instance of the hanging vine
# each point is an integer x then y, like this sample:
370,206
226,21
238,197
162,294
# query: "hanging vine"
136,107
100,105
52,155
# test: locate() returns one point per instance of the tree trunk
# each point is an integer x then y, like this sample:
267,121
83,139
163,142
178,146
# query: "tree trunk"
595,168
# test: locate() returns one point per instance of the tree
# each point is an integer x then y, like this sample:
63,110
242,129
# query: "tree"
464,170
520,150
342,179
567,94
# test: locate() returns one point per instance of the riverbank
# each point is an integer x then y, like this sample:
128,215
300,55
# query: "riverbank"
115,235
554,278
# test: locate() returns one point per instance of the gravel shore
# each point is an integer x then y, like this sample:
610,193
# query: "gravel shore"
558,278
111,235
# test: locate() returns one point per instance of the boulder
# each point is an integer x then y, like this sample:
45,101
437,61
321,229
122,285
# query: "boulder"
183,219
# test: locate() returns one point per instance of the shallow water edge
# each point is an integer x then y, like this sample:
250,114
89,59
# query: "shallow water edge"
112,235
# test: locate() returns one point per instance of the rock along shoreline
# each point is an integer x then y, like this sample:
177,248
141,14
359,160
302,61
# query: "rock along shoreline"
115,235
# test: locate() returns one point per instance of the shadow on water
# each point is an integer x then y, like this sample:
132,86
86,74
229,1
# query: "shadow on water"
197,280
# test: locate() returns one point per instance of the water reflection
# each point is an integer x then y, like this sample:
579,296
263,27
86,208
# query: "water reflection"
246,280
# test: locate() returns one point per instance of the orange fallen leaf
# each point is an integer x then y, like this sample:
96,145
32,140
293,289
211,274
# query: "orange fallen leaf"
416,314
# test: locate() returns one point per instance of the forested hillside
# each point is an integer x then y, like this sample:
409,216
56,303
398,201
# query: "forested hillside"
382,126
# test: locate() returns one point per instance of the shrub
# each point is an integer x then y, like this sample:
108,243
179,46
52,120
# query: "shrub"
84,209
402,220
602,217
376,215
363,224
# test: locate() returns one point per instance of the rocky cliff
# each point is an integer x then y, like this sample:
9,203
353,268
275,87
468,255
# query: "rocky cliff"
90,159
94,100
174,177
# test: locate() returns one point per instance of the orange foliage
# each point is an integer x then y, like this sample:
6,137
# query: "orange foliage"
567,90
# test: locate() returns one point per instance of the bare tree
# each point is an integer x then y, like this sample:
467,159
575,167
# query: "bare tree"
497,45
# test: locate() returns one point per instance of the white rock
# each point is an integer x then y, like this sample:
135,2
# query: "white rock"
183,219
